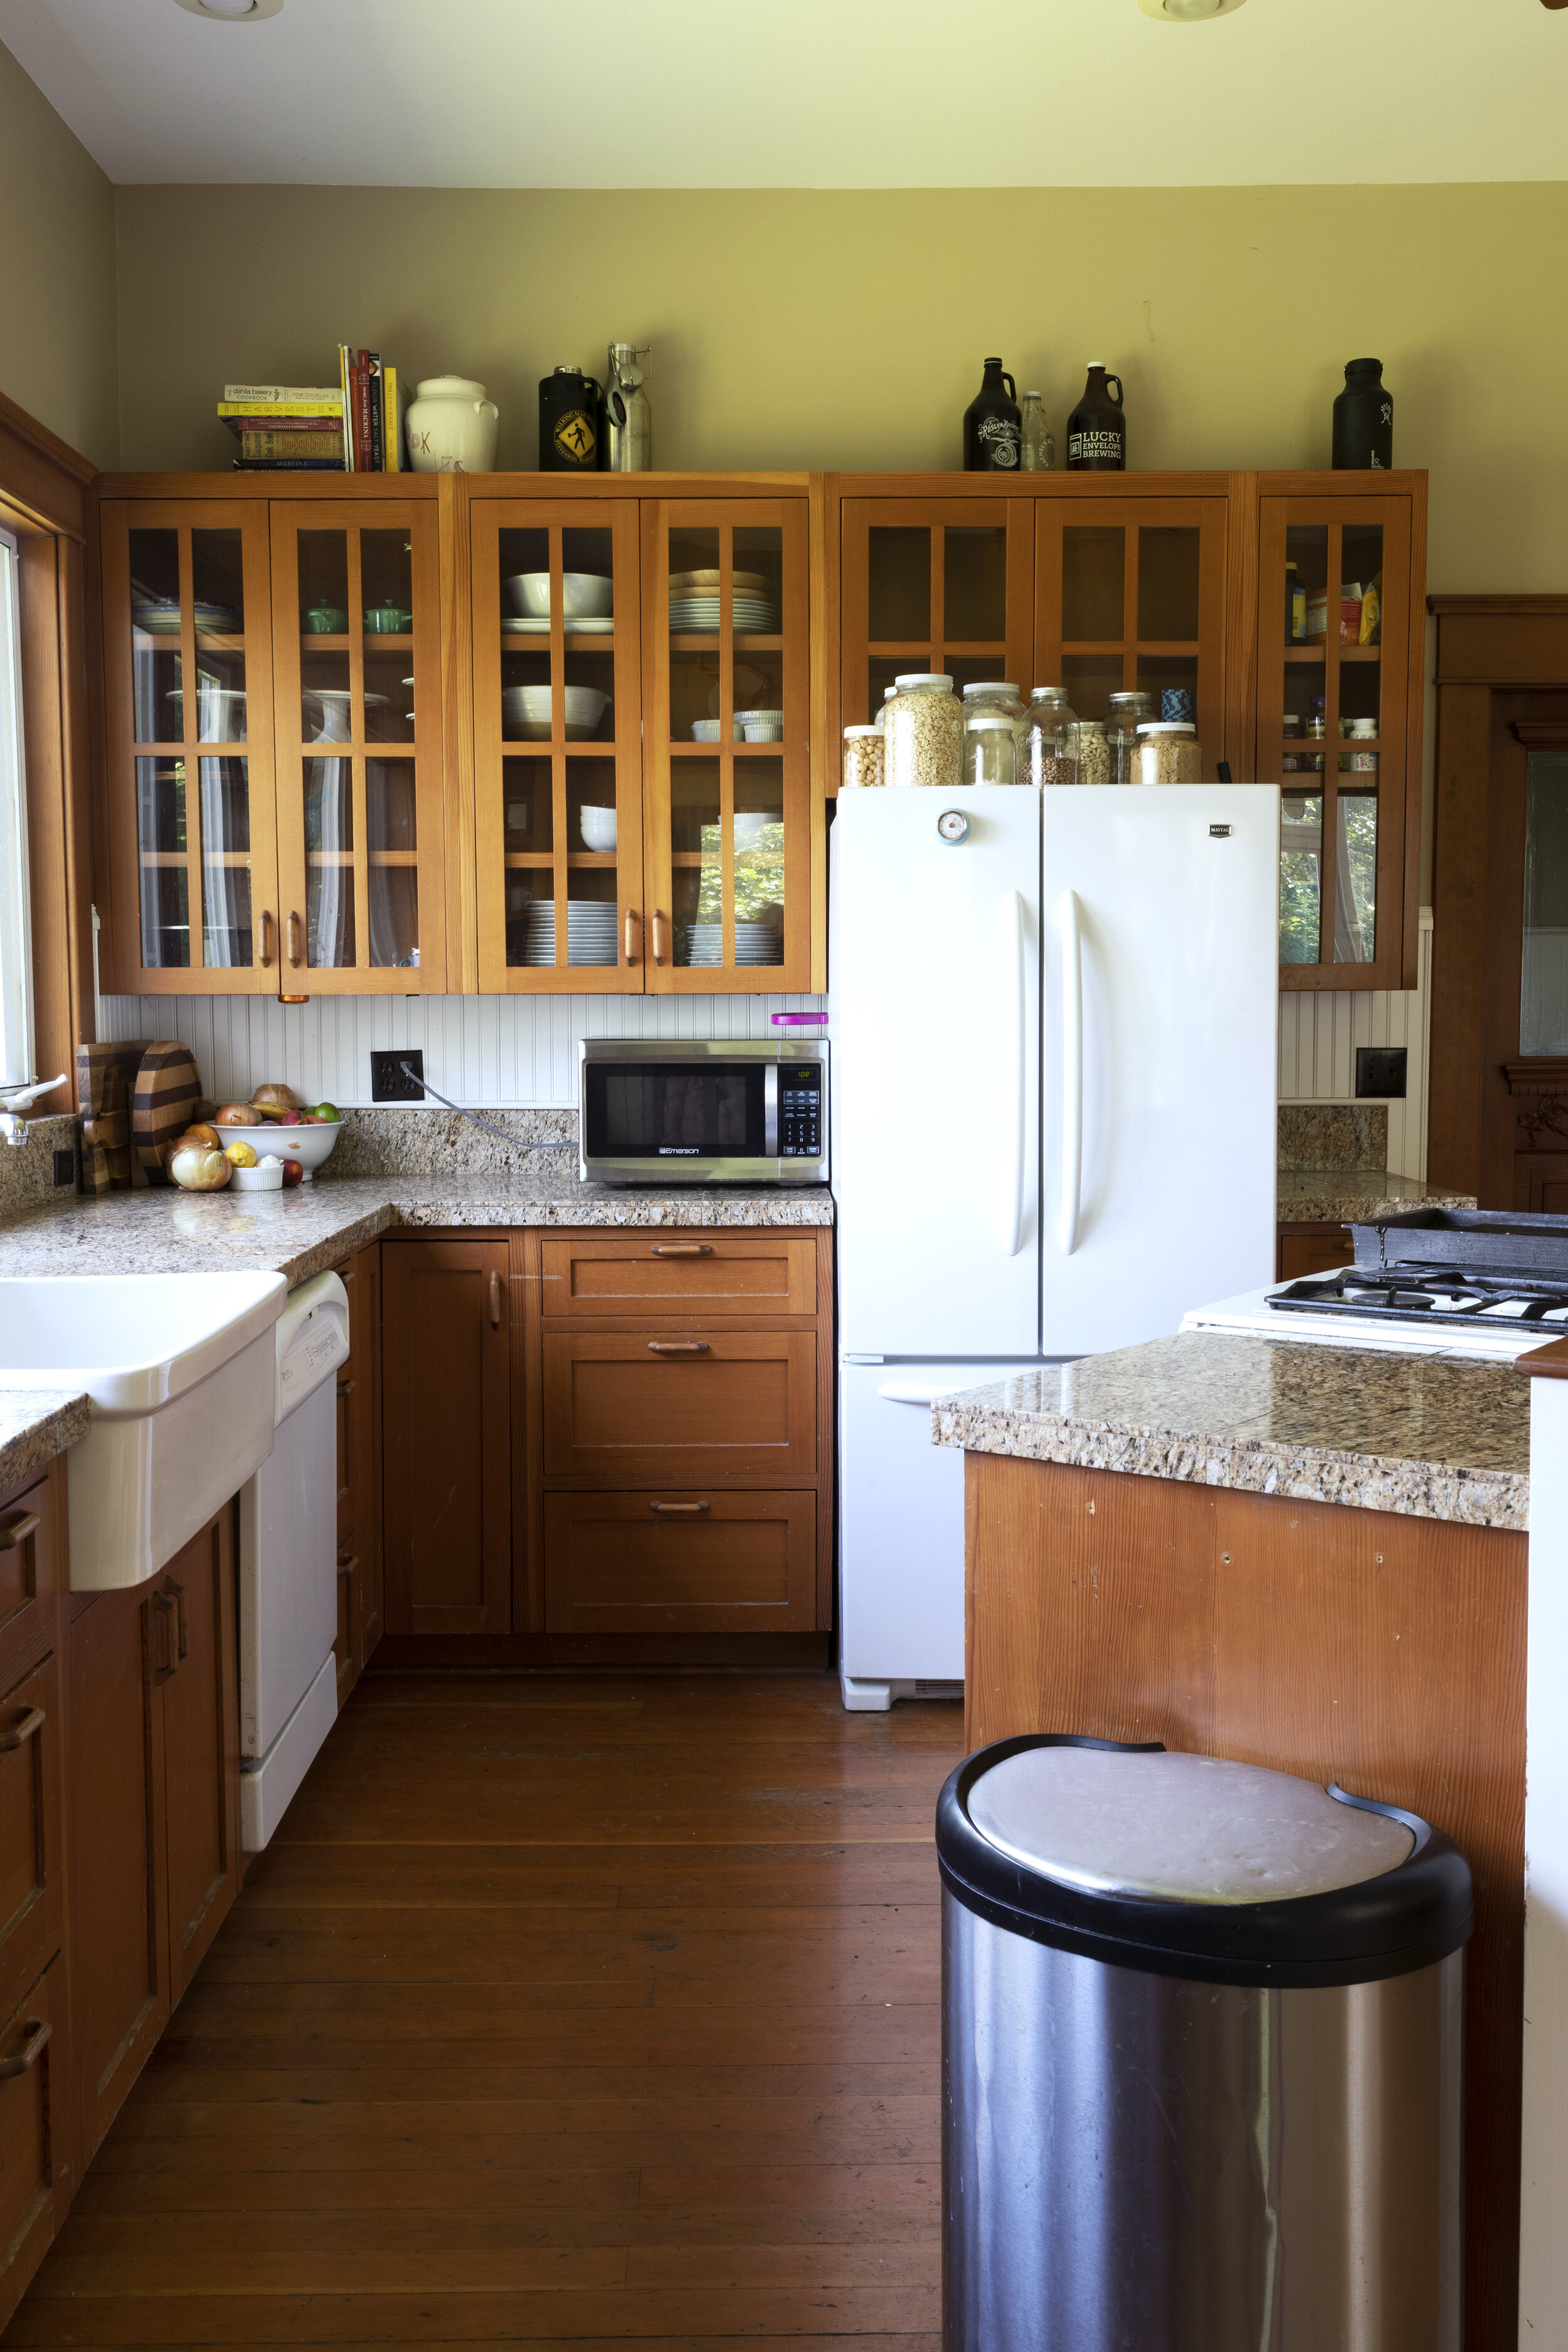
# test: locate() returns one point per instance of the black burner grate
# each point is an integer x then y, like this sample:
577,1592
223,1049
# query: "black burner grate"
1497,1297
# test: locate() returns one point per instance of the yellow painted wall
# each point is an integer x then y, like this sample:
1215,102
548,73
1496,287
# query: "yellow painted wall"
846,328
57,343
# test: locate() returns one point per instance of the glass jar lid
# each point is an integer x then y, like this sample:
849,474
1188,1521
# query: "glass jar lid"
1169,727
990,685
1131,696
1049,694
850,731
918,679
979,719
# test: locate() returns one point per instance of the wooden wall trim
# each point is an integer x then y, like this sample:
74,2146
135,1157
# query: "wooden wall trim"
40,475
1459,937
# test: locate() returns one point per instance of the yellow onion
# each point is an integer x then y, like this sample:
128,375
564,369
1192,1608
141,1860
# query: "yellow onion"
199,1168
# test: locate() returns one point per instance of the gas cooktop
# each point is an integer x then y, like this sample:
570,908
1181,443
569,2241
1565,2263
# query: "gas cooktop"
1446,1266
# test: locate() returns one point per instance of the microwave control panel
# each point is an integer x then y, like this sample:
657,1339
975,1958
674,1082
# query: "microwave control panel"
800,1110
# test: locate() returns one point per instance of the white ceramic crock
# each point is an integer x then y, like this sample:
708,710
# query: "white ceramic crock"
452,428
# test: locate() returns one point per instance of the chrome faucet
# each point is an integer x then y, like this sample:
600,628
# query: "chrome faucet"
16,1099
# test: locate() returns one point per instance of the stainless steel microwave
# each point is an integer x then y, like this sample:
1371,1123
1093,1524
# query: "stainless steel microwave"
703,1111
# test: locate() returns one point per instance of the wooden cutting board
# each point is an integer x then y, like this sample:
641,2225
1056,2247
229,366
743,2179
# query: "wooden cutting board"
105,1081
164,1103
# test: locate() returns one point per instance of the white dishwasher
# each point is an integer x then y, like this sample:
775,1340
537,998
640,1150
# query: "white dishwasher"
288,1564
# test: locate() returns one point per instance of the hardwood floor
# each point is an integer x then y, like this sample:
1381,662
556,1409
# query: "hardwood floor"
557,2012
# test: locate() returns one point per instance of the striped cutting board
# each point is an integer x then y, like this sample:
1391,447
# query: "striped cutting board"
164,1103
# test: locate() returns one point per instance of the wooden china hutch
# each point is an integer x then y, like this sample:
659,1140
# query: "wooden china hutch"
377,787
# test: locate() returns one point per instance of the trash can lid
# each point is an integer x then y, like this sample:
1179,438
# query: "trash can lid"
1196,1866
1179,1828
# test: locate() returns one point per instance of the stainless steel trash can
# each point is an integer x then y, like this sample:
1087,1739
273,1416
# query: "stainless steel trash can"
1202,2033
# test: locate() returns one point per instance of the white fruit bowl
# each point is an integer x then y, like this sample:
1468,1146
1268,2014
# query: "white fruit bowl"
584,595
309,1145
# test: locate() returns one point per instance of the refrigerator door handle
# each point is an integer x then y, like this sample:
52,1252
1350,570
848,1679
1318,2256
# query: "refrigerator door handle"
1014,984
912,1391
1072,1069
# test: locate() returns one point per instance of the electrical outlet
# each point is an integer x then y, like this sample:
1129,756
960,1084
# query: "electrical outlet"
389,1082
1380,1072
65,1165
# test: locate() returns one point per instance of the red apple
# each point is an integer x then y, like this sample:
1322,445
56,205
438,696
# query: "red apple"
293,1170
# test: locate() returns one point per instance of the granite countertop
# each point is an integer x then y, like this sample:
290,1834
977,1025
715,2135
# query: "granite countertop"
301,1233
35,1425
1434,1439
1343,1196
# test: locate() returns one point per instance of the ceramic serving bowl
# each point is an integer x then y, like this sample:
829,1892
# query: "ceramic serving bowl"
526,712
267,1176
763,726
711,731
598,826
584,595
309,1145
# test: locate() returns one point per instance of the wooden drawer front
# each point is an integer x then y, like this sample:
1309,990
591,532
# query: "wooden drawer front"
32,2120
713,1272
742,1403
709,1562
30,1854
30,1574
1314,1250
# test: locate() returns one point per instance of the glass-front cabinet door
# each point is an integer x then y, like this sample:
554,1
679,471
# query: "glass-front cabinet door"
938,585
1130,598
558,745
728,821
1333,727
189,748
356,640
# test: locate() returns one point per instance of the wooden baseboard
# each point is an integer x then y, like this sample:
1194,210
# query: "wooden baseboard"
588,1652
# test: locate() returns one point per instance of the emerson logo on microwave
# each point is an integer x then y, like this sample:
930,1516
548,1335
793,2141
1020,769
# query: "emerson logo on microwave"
680,1150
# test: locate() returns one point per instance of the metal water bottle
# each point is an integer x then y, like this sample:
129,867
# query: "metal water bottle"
1364,420
628,420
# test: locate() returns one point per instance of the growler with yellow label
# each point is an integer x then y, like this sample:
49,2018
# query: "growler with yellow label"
570,423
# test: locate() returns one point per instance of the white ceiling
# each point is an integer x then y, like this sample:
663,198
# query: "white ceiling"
805,93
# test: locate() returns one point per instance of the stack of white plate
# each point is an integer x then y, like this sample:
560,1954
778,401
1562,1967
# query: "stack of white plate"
703,943
592,931
695,601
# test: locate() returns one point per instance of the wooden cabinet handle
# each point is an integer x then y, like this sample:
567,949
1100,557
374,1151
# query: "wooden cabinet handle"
347,1567
181,1617
38,2033
678,1510
32,1721
293,937
495,1300
347,1388
678,1347
658,936
633,925
681,1249
15,1529
264,955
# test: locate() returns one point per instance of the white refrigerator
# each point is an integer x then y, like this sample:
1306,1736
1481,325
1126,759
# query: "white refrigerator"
1053,1119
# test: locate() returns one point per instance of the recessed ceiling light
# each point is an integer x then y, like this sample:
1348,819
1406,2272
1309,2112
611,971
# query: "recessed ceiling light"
231,11
1187,12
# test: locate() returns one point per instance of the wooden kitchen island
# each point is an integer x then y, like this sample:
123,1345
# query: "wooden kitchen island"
1305,1557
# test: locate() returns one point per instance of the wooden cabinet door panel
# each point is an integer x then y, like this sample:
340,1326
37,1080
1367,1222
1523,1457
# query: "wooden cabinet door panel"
681,1559
1305,1253
717,1272
201,1743
740,1404
446,1388
29,1577
31,1853
33,2132
120,1974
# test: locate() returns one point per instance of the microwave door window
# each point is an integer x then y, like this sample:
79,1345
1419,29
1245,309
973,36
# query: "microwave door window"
675,1114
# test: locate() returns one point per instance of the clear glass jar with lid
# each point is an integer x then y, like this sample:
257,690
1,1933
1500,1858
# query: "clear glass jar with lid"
1046,753
990,749
1128,711
1168,753
993,694
863,750
923,723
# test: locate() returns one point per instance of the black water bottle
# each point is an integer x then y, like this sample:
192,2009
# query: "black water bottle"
570,418
1364,420
1097,429
992,425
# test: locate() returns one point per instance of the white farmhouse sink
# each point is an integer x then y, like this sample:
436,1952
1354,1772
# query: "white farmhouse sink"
179,1370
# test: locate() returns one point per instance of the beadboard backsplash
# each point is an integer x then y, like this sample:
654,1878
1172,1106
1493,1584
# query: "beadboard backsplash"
506,1051
1319,1034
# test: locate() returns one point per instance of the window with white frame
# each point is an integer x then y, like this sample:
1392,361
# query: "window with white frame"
16,930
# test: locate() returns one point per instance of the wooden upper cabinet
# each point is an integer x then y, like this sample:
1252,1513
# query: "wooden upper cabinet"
941,583
1339,691
558,745
190,776
356,626
1128,598
727,770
